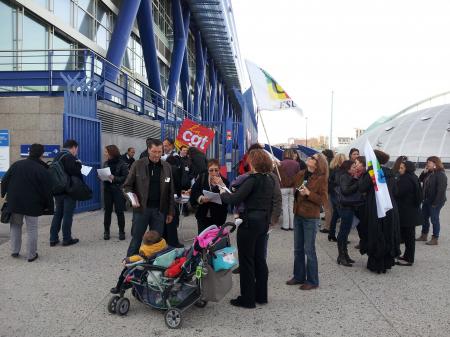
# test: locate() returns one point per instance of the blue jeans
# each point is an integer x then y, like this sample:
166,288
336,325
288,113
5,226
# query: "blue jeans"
346,215
305,231
152,219
428,212
65,206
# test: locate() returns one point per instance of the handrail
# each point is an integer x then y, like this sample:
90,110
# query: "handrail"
93,64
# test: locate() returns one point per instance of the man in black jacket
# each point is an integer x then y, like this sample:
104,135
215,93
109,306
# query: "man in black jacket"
28,192
129,157
65,205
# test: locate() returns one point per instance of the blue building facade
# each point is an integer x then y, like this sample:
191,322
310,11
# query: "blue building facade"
112,71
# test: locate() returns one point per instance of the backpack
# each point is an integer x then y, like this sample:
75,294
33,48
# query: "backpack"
58,176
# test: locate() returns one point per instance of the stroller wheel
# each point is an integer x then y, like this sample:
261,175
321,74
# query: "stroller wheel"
201,303
173,318
112,304
122,306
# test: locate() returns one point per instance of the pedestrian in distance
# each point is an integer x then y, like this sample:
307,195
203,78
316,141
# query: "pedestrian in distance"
27,188
327,207
65,204
129,157
112,191
288,168
353,154
150,179
408,196
434,183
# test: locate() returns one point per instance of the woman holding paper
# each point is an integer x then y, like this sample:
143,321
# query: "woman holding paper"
113,195
209,212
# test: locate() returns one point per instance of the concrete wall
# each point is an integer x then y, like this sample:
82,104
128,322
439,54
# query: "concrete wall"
32,119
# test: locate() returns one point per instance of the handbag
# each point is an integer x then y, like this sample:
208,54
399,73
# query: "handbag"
6,215
224,259
78,189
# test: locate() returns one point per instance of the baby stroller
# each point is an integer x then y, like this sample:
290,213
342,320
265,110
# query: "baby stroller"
173,295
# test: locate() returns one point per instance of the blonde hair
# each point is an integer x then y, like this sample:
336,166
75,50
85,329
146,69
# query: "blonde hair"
337,161
322,165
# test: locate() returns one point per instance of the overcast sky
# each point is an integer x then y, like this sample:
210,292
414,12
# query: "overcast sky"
378,56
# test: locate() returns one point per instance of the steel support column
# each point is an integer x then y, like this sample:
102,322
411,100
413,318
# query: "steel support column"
212,98
184,76
200,65
145,24
120,37
181,19
221,102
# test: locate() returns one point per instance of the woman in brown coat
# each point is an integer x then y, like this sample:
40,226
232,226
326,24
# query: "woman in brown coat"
311,194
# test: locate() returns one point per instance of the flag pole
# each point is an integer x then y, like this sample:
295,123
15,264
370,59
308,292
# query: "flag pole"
268,141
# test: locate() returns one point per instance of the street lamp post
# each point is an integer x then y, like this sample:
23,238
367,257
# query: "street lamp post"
306,131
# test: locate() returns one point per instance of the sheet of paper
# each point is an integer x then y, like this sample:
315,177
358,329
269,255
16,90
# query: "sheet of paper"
133,199
85,170
213,197
225,189
104,174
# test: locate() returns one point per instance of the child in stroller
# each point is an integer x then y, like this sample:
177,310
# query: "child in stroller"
151,285
152,244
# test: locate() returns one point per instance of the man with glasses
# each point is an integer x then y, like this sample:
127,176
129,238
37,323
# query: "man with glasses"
151,180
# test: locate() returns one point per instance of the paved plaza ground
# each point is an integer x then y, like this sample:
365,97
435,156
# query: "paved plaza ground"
65,292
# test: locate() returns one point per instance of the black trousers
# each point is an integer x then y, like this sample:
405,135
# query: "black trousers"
251,242
409,238
114,198
171,230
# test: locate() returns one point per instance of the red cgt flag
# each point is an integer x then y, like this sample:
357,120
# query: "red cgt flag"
194,134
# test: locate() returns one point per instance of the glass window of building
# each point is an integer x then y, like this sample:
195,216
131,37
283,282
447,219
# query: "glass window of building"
85,23
7,18
87,5
63,56
63,10
36,38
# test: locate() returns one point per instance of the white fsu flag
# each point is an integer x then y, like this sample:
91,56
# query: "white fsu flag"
382,196
269,94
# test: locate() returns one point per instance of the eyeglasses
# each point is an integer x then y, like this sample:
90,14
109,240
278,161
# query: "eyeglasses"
213,170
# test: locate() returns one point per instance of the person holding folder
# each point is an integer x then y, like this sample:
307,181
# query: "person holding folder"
208,213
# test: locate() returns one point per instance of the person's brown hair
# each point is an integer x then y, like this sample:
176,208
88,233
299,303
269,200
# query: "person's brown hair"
212,162
255,146
346,165
382,157
184,147
362,160
397,163
151,237
288,154
260,161
437,161
321,164
113,151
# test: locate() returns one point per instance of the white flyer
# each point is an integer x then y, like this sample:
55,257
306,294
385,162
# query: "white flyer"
133,199
213,197
104,174
85,170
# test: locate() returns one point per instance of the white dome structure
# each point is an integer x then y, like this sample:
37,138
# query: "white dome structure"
415,134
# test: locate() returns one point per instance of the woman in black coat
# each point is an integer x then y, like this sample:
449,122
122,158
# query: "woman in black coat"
113,195
258,193
208,213
379,237
408,195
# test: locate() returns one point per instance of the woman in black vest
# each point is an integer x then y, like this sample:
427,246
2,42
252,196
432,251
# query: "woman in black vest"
208,213
408,195
113,195
257,193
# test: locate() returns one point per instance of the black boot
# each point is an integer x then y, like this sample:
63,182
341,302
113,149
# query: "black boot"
341,258
346,254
